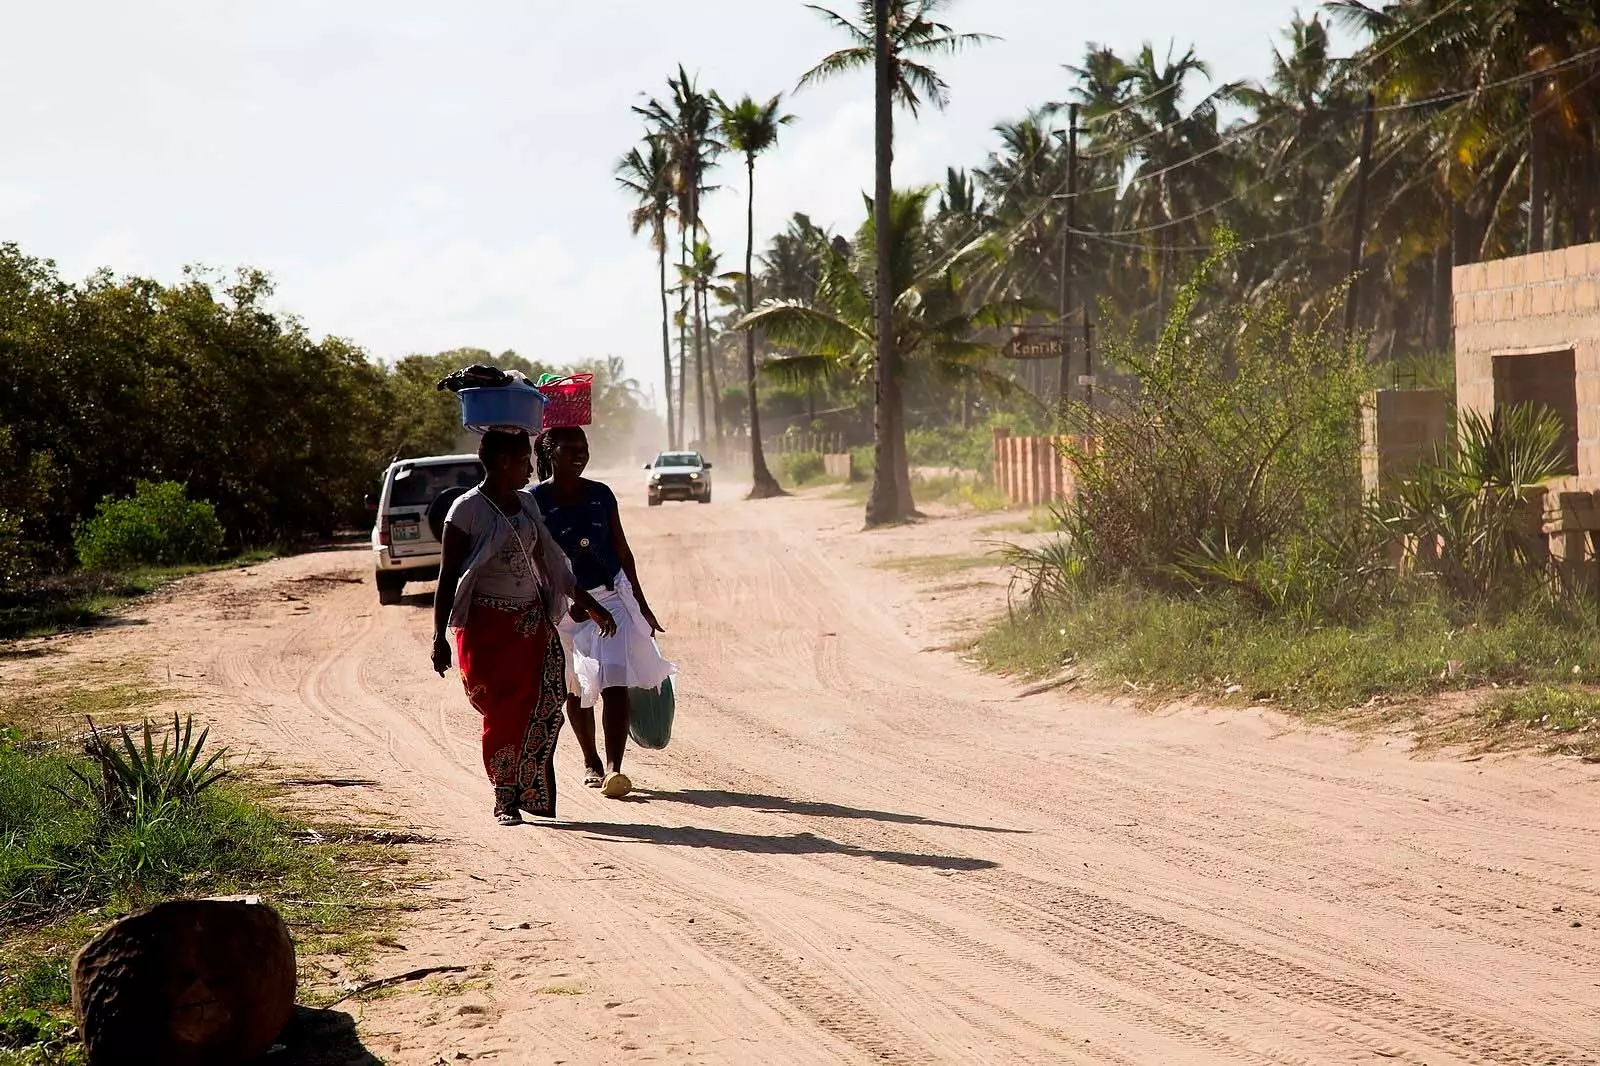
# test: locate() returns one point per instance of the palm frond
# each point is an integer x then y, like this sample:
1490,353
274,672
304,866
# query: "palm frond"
844,61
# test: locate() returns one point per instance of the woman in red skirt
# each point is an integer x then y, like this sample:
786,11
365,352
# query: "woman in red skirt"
503,584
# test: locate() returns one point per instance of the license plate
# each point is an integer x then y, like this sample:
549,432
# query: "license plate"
408,531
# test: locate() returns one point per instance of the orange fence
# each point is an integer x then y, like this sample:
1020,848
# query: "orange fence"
1032,470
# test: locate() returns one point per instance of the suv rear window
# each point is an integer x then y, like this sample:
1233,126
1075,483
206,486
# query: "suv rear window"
417,486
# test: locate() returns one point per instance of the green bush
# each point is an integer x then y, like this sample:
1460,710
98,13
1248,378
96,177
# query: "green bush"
1240,437
863,460
157,525
14,559
802,468
64,853
1468,512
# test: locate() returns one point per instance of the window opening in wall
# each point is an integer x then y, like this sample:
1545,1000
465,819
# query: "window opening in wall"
1548,379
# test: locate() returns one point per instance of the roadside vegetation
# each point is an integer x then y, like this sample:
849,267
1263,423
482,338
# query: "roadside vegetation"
125,816
131,547
1220,544
1485,142
146,428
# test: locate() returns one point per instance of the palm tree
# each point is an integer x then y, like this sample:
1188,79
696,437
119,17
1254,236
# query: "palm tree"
703,277
685,125
1162,200
752,128
886,35
646,171
937,327
790,269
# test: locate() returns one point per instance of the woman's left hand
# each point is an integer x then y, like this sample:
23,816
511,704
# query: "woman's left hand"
602,618
650,616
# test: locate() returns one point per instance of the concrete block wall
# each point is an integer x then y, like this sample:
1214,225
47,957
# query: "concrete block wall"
1534,305
1399,429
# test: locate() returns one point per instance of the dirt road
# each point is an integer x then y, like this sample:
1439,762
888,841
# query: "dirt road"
858,850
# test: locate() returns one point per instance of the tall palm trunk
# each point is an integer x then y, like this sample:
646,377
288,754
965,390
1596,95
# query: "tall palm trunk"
699,354
884,502
666,326
683,337
711,369
762,484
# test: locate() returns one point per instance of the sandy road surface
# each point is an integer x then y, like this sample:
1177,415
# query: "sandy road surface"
858,850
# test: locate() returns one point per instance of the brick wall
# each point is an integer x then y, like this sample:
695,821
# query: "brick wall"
1399,429
1544,305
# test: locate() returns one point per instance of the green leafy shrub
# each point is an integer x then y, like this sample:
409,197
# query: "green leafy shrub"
15,563
141,780
802,468
158,525
1239,436
1468,512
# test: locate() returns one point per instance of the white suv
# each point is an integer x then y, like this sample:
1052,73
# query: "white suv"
411,506
678,476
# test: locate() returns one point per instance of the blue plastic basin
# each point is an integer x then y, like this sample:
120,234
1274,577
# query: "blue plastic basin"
508,405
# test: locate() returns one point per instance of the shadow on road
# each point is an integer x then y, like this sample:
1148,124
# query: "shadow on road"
763,844
716,798
322,1038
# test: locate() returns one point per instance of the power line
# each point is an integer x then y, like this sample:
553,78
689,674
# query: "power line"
1095,235
1024,166
1241,194
1463,94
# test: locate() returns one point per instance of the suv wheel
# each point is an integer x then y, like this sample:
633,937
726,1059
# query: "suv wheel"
391,588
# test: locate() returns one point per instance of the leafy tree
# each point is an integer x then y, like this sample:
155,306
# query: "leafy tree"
937,329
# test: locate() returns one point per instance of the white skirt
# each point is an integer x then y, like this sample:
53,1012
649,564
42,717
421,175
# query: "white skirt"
630,659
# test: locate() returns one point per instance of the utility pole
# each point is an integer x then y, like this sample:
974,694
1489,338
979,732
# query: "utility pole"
1088,364
1068,264
1358,233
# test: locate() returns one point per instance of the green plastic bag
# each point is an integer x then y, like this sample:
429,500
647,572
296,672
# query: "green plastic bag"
650,724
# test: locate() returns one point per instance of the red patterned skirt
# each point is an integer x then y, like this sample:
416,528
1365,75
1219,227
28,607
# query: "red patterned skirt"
515,676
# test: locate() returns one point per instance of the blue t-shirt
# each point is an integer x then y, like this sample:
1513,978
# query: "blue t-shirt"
584,532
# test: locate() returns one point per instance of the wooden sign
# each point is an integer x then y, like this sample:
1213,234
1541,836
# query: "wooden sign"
1030,345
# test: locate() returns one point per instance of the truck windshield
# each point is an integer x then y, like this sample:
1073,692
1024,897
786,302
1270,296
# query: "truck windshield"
678,459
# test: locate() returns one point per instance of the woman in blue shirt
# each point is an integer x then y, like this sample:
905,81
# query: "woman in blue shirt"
583,519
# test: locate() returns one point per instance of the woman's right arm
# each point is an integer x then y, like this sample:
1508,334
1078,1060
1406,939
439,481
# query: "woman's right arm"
455,549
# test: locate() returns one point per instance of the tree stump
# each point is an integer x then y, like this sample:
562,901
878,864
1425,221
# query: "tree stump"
186,983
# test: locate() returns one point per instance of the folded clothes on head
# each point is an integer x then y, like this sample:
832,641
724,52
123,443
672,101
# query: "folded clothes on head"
482,376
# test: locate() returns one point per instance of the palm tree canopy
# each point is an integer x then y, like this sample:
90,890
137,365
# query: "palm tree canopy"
914,30
939,329
750,127
685,124
646,171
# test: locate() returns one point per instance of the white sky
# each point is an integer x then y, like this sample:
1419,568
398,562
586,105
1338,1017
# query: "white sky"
420,176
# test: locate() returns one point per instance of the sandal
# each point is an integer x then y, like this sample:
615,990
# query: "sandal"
593,778
616,785
506,811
